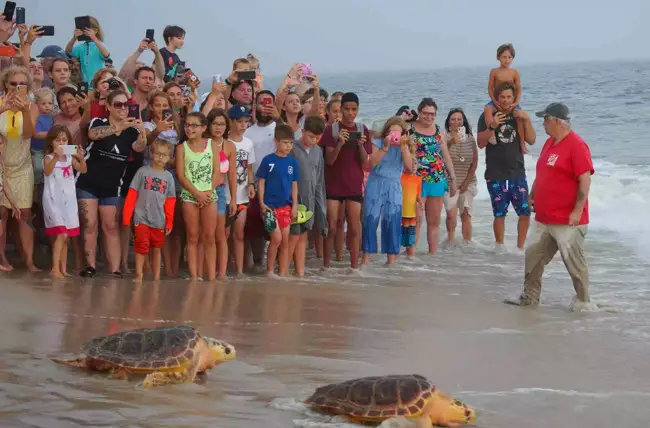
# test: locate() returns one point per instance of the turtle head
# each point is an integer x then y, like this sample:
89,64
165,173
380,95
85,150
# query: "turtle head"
220,352
447,410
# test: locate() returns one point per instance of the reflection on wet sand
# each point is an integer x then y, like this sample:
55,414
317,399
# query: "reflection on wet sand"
293,336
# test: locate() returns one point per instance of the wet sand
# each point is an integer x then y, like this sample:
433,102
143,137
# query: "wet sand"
520,367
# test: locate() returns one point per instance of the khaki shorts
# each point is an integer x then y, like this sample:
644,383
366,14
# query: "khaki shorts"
461,201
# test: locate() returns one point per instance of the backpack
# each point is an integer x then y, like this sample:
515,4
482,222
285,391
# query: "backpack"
336,129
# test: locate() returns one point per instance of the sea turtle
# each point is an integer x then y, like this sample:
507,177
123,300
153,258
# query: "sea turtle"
377,398
168,354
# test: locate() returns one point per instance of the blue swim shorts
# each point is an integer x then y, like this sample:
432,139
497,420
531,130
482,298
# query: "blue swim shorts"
222,206
504,192
434,189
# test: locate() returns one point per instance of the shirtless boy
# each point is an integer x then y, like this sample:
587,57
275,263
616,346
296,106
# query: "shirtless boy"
498,76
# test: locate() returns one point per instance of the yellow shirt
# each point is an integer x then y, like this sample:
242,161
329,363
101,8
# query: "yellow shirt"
411,190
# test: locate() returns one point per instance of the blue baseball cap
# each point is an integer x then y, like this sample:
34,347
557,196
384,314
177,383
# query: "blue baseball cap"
53,51
238,111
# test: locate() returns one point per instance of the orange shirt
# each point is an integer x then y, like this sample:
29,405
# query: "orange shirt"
411,190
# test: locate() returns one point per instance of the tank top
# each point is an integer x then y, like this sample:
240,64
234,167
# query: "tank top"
462,155
198,166
224,162
429,156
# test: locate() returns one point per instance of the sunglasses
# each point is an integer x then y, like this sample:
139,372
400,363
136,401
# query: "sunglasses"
120,105
17,83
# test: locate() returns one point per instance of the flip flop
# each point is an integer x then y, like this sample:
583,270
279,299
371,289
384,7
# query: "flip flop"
270,223
303,215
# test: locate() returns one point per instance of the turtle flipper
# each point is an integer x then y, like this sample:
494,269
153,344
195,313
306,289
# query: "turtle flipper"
160,378
80,362
423,422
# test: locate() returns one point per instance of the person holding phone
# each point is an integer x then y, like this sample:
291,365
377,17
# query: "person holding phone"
163,124
461,144
59,195
346,156
17,127
98,191
391,154
91,53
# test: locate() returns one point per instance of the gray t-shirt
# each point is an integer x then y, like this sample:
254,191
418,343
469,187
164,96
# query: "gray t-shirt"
504,160
153,187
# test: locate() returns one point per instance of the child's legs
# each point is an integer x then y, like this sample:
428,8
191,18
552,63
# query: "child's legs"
208,217
191,216
57,245
64,256
238,240
156,256
222,246
353,216
272,251
333,208
284,251
300,253
340,232
141,245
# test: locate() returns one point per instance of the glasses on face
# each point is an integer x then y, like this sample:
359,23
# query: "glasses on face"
120,105
17,83
428,113
160,155
193,125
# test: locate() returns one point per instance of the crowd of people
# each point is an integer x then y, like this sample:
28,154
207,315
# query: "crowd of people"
223,179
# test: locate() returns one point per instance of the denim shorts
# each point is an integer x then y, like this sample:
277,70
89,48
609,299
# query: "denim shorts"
506,192
222,206
110,201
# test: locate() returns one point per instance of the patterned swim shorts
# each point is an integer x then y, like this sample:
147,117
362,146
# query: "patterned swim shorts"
505,192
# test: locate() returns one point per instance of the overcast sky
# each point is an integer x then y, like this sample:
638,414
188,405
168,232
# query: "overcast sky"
356,35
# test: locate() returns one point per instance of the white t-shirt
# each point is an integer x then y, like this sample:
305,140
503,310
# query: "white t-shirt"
245,156
263,141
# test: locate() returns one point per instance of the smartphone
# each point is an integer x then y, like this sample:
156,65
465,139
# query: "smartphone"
8,13
22,89
354,136
168,114
20,15
81,23
190,76
305,69
217,78
82,88
186,90
149,35
267,101
246,75
69,149
48,30
134,111
395,137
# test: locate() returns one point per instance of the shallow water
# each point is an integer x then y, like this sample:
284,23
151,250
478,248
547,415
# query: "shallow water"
541,368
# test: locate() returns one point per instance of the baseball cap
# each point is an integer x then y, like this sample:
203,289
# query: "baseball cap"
238,111
557,110
53,51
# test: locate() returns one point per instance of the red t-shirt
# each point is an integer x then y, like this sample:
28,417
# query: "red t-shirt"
345,177
556,183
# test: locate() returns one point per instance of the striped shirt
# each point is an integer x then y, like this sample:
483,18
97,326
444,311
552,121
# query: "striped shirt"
462,155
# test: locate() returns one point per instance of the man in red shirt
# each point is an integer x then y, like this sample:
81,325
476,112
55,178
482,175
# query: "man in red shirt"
559,197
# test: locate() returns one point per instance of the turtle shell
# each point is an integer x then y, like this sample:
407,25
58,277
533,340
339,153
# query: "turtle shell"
375,398
164,348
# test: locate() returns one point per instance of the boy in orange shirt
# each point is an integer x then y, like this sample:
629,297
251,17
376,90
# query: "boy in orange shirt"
411,191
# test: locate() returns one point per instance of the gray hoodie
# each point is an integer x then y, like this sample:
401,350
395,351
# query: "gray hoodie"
311,183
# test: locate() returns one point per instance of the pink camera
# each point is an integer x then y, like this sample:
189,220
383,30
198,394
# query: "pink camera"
395,137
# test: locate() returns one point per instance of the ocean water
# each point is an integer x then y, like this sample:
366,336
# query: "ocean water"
441,316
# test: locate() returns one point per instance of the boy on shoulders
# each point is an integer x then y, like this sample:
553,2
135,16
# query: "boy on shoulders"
174,39
278,196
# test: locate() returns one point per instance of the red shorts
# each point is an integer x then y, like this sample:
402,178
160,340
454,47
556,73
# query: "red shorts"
146,237
283,216
254,224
